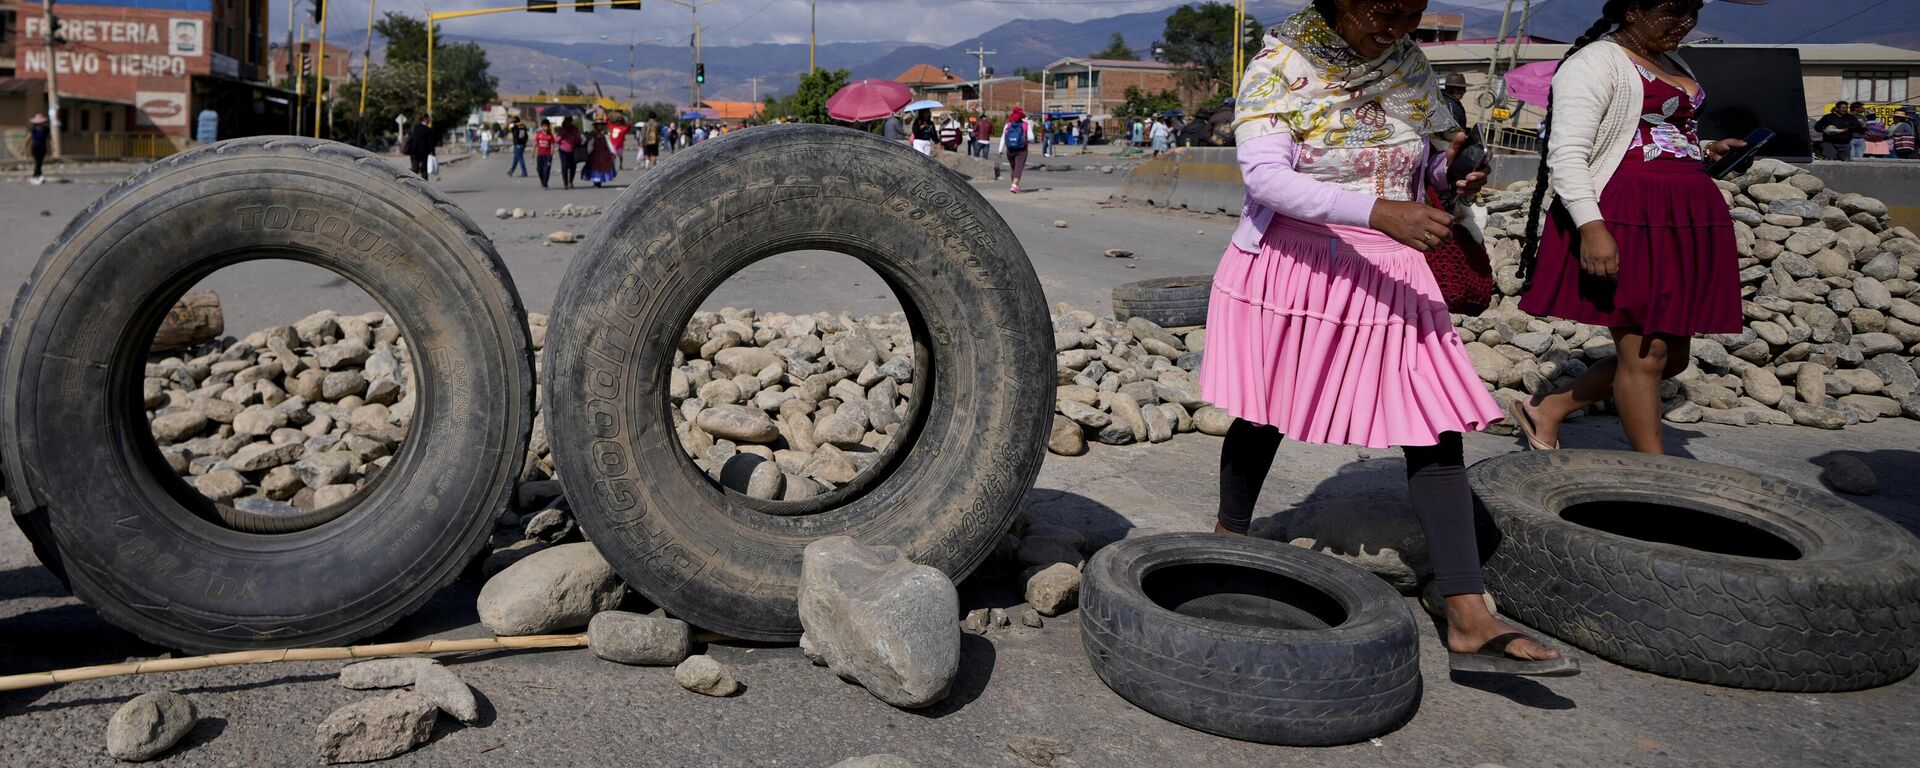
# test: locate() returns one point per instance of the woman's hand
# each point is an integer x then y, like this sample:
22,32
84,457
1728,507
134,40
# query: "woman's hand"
1599,255
1474,182
1415,225
1719,149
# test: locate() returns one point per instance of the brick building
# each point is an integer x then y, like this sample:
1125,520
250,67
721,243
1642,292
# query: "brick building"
1002,94
1099,86
144,67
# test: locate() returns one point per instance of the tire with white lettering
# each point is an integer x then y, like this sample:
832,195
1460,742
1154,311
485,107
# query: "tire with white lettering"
982,378
97,499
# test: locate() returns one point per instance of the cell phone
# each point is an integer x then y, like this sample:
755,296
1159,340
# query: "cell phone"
1472,155
1736,162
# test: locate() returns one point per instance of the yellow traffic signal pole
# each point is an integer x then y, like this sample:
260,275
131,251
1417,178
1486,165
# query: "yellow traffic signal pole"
366,63
320,71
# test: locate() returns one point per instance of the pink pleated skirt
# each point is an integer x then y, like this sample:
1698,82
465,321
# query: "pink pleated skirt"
1337,334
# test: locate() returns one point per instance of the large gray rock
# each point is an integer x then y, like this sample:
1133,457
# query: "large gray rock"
383,673
1376,532
880,620
376,728
705,676
1054,590
630,638
1849,475
551,590
148,725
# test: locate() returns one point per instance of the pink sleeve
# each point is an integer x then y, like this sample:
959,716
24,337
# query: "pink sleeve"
1266,167
1436,170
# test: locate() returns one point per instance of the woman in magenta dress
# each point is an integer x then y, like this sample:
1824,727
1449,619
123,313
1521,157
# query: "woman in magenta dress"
1639,239
1325,323
602,159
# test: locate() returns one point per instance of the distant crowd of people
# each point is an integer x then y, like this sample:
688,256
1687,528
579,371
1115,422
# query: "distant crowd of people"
1851,131
591,149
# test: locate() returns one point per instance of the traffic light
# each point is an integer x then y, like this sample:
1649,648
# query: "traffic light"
319,10
631,5
543,6
585,6
700,74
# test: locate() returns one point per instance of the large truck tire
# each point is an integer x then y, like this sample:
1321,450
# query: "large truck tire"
1702,572
982,356
129,537
1170,302
1250,638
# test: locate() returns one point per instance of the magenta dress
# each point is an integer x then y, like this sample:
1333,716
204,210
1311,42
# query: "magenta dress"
1679,264
1339,334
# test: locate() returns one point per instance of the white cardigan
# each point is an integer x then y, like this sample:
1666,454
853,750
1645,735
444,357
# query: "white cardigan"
1597,100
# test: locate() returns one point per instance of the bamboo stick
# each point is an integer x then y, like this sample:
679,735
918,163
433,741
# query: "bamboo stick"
242,658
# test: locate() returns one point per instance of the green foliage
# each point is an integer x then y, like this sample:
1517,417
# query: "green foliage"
1031,75
1117,48
808,102
655,110
1201,36
461,82
570,90
1141,104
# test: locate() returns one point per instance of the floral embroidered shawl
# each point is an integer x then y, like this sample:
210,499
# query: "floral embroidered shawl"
1357,123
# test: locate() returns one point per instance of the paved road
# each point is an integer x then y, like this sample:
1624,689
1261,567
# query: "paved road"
568,708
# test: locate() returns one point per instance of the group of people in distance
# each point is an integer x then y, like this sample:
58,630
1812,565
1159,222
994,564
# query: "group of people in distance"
1855,131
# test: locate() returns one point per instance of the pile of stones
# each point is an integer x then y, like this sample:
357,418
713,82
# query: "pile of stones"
290,418
568,211
1829,293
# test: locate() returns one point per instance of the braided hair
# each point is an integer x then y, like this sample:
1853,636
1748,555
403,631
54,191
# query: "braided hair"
1612,16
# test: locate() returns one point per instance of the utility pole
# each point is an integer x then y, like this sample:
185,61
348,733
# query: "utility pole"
696,57
1493,63
979,86
53,79
756,88
293,119
813,27
366,71
1520,36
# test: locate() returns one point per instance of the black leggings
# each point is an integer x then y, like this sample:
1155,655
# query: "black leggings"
1436,486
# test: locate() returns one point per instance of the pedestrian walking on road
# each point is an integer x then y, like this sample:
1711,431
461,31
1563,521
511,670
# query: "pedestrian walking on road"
617,136
601,164
486,141
1014,140
518,132
571,142
1162,136
1324,322
1639,239
39,139
923,133
420,143
650,143
544,143
982,136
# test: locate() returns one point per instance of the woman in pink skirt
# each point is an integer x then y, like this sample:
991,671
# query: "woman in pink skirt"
1325,323
1639,239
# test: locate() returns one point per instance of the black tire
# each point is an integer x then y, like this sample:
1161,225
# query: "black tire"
1170,302
145,549
1341,668
981,346
1695,586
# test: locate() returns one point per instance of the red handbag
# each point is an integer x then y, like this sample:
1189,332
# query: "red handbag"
1462,269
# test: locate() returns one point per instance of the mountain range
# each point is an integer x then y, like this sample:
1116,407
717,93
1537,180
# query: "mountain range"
663,72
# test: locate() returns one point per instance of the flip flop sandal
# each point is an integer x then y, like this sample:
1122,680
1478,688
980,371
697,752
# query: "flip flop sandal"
1524,421
1492,659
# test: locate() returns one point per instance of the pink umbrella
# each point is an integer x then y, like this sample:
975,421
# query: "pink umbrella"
868,100
1531,82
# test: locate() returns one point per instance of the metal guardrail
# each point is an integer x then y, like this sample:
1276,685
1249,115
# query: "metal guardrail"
1513,139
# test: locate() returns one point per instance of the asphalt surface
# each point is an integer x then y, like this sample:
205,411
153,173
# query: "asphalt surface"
569,708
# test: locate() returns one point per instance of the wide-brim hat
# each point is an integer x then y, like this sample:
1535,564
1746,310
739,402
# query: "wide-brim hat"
1454,80
39,119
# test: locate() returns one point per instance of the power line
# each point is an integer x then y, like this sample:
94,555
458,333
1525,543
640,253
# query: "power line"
1834,24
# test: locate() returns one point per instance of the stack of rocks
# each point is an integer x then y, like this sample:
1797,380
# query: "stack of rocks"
1832,328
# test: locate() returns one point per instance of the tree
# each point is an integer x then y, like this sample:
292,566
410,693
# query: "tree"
1117,48
571,90
1201,37
1140,105
1030,75
654,110
461,81
808,103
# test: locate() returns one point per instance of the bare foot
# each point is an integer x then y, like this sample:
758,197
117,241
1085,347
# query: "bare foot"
1545,428
1470,626
1218,528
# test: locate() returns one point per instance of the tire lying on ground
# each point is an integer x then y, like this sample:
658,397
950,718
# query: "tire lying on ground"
1702,572
1250,638
95,496
982,357
1170,302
